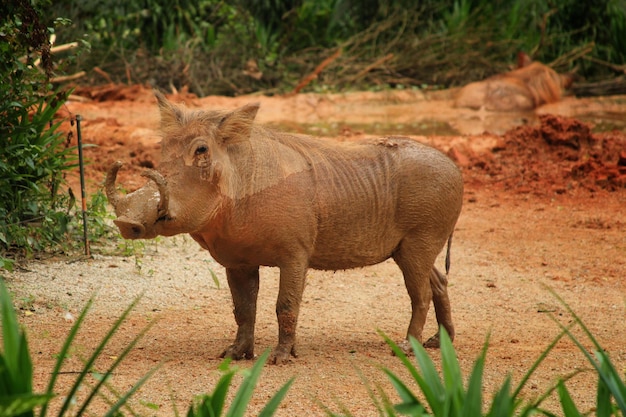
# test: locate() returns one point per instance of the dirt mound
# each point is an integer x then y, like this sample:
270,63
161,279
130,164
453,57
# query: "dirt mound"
119,92
558,155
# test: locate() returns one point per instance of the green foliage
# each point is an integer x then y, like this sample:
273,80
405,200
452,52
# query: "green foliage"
33,153
212,405
16,373
611,389
446,395
217,47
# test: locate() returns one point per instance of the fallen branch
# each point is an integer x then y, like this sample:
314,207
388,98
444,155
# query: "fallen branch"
569,57
370,67
306,80
97,70
60,48
616,68
64,78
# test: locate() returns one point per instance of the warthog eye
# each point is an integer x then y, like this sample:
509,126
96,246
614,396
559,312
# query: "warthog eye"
201,149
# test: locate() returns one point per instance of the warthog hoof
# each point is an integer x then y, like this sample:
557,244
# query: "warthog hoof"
282,355
238,351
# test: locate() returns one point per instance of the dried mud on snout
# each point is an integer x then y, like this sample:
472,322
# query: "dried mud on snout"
526,224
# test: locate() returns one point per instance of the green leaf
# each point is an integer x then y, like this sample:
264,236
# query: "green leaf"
431,384
567,404
273,404
220,392
242,398
20,404
473,397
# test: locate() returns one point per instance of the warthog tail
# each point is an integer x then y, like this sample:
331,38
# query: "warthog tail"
448,255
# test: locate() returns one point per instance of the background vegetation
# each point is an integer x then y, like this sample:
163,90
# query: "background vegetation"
243,46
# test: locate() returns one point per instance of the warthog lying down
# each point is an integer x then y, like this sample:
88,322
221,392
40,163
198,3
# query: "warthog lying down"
526,88
252,196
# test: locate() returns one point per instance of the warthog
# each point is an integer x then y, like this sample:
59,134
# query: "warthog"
253,196
525,88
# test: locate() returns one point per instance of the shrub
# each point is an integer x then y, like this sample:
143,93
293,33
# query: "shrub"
33,153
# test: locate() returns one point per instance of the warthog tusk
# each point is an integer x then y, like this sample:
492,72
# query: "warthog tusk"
161,183
109,185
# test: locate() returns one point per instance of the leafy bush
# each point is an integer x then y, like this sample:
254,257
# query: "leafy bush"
33,153
217,47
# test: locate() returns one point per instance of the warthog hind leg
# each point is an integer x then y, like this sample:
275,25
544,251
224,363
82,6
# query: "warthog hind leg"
443,311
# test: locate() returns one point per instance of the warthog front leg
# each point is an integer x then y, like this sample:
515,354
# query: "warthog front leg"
244,288
287,310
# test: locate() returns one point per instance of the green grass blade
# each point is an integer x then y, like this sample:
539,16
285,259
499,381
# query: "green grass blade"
63,353
399,353
113,366
603,397
534,406
610,383
432,387
423,384
89,364
220,392
536,364
242,398
21,404
567,404
272,405
453,379
410,403
503,404
114,410
473,403
603,365
17,358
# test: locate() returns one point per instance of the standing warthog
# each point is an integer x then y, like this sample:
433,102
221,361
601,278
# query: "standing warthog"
252,196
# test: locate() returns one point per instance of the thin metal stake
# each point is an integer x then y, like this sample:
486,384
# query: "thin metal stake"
81,166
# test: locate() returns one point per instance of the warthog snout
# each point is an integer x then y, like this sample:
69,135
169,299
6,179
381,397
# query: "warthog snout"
130,229
138,211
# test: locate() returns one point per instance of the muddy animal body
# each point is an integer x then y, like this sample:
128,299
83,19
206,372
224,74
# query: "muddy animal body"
254,197
523,89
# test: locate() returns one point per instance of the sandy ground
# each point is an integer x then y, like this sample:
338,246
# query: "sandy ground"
550,218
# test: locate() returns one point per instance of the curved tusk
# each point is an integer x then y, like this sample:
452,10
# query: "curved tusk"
161,183
109,185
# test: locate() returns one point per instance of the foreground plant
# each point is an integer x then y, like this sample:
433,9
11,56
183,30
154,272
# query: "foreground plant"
611,390
446,395
16,370
16,376
212,405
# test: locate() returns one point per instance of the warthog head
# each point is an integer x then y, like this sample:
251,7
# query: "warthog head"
195,175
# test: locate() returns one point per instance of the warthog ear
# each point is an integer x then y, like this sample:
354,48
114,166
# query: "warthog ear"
237,125
171,115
